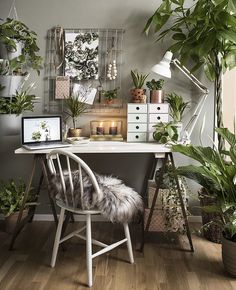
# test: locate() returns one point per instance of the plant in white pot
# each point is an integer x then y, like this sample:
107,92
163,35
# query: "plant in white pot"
177,108
75,107
11,198
18,46
218,176
11,110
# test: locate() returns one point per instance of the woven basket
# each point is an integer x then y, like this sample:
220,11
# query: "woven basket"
213,232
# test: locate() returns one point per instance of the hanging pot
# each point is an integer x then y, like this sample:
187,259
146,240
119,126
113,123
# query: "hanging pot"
10,124
10,84
157,96
229,256
9,53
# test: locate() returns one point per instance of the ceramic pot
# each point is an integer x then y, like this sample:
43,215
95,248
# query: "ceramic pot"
9,52
11,84
11,220
157,96
74,132
10,124
137,95
229,256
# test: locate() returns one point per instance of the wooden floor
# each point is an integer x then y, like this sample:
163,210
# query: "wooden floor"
162,265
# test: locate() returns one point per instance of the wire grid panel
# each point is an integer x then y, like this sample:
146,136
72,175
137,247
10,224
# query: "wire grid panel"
110,50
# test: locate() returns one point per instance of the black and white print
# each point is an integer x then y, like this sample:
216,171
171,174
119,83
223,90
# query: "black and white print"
81,55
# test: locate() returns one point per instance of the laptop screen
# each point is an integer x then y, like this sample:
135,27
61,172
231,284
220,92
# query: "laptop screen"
41,129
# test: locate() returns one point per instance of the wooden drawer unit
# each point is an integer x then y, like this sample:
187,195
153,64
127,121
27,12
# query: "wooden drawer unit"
137,137
155,118
137,118
158,108
137,108
137,127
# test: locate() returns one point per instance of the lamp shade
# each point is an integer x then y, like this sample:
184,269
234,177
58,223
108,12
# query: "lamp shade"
163,67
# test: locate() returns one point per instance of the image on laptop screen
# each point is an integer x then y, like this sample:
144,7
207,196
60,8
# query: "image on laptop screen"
41,129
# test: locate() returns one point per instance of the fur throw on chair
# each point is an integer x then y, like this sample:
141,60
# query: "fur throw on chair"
119,203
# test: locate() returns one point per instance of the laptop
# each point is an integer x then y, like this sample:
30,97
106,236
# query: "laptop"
42,132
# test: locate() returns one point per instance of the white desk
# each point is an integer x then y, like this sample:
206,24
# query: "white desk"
107,147
101,147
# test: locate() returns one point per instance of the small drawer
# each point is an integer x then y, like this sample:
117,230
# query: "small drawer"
136,137
137,118
151,128
158,108
137,127
150,137
137,108
154,118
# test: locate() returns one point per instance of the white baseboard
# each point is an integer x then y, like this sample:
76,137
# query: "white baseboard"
49,217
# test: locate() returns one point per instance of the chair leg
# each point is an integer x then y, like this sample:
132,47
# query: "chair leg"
89,250
57,237
129,244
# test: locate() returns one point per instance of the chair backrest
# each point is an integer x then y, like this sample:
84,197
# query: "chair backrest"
55,168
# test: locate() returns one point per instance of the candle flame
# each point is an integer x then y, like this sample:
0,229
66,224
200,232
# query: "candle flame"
113,124
101,124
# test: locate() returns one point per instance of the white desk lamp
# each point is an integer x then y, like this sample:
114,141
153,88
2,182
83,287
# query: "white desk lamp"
163,69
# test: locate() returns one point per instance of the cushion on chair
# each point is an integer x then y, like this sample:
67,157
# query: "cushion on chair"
119,203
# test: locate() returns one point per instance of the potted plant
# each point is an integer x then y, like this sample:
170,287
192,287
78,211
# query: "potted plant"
11,198
199,37
11,110
177,108
156,92
165,132
74,109
218,176
19,47
110,95
19,43
138,93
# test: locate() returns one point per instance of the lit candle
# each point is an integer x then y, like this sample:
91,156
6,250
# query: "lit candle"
113,129
100,129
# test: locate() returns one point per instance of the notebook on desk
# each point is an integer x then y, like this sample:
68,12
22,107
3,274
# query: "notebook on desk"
42,132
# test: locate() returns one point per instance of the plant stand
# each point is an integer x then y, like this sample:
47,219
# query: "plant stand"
146,228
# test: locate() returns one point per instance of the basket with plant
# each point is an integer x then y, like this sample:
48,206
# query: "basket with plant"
138,92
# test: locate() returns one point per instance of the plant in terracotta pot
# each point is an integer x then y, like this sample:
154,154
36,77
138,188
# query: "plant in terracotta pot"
138,92
11,198
218,176
110,95
177,108
156,90
74,109
165,132
11,110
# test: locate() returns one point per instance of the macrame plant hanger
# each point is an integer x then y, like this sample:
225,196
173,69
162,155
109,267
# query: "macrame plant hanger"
13,12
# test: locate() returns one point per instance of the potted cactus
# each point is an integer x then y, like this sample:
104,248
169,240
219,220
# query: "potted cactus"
156,92
138,92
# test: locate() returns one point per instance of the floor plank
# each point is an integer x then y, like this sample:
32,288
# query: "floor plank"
163,265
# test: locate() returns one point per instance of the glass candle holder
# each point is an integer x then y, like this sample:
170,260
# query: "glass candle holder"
103,130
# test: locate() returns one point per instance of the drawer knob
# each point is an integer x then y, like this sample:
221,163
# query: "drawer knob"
158,108
137,118
137,127
137,108
137,136
158,118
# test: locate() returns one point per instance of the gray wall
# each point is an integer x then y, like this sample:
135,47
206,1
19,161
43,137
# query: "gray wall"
139,52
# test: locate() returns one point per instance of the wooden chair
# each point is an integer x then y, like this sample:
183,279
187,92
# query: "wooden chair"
55,167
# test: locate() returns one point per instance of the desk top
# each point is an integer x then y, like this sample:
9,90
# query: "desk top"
106,147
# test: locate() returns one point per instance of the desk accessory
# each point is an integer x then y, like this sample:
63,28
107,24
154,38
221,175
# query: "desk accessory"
163,69
106,130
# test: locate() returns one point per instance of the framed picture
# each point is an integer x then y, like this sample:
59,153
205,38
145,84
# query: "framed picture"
81,55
